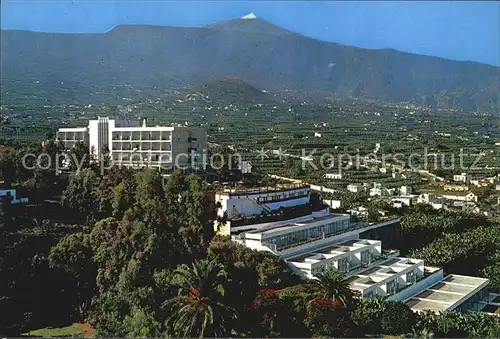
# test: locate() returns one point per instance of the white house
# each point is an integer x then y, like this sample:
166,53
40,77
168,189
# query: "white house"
461,197
333,176
405,190
359,212
355,188
464,177
399,202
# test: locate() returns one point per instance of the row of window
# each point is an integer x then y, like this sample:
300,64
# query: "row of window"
141,136
166,146
278,197
317,232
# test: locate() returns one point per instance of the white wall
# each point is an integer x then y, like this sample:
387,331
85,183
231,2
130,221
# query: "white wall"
248,205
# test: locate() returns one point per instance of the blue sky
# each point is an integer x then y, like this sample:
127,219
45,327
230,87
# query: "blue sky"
457,29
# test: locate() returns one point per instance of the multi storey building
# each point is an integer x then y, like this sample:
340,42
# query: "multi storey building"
132,144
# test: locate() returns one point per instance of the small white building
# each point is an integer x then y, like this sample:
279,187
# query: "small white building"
359,212
405,190
333,176
401,201
355,188
381,192
461,197
464,177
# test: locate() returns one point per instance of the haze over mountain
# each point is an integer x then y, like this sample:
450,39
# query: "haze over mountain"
75,66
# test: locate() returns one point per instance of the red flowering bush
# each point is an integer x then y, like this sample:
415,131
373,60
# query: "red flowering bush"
266,306
327,317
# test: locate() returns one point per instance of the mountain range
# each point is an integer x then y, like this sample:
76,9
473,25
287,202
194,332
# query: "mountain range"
76,66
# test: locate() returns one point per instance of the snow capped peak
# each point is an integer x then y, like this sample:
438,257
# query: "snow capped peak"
249,16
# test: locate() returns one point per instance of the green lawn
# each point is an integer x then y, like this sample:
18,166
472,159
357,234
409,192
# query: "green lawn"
68,331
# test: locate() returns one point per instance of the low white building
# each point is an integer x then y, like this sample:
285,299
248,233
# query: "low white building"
464,177
461,197
359,212
333,176
401,201
355,188
381,192
405,190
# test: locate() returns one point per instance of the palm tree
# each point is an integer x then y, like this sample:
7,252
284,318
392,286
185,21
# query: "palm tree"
333,284
199,310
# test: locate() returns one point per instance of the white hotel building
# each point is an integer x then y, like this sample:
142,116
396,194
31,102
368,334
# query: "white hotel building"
132,144
319,239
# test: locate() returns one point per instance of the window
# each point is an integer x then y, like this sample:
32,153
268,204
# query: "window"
343,265
365,257
392,287
411,277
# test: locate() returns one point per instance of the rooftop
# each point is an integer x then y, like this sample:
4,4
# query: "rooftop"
245,190
447,294
275,228
334,250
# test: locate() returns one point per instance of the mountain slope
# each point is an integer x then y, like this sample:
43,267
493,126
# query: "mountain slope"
229,90
76,66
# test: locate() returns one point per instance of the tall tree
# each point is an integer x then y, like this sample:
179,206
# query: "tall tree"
78,196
